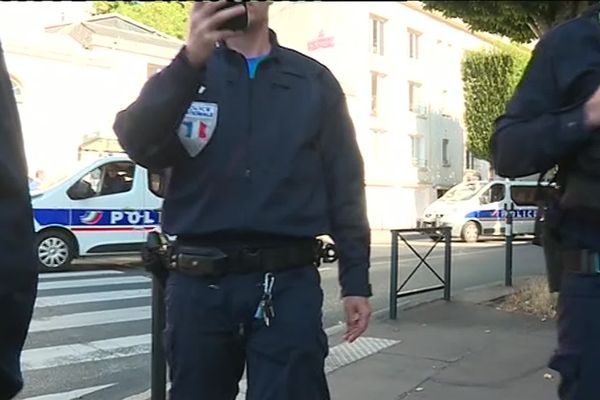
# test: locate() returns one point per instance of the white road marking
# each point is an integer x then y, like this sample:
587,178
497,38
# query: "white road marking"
91,318
100,350
72,395
93,297
60,275
78,283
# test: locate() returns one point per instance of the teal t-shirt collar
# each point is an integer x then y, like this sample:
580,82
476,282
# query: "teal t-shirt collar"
253,64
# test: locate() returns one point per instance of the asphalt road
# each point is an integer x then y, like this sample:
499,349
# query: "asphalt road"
472,265
90,337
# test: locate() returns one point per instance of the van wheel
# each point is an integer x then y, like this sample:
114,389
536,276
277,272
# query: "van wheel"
470,232
55,251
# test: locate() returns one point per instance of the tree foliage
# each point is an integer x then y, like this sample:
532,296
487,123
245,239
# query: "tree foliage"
489,78
169,17
521,21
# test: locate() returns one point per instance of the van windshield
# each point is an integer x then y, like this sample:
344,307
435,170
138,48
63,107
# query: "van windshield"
50,184
463,191
60,178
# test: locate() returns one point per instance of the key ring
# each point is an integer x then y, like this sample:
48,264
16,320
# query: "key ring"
268,283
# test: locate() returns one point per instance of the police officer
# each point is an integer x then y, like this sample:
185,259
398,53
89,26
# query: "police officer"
18,267
262,158
554,119
113,183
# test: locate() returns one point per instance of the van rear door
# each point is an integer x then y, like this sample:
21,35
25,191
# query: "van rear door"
524,199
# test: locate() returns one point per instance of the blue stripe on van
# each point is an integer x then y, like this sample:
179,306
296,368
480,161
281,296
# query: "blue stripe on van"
96,217
494,215
52,216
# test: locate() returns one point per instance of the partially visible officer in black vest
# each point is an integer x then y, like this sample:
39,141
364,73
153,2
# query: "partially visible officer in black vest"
262,159
554,119
18,267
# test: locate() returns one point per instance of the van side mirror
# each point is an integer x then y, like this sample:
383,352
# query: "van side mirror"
80,190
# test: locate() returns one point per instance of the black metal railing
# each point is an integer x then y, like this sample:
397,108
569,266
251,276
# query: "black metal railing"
509,211
158,369
438,235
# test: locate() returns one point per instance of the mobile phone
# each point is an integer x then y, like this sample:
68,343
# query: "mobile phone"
238,23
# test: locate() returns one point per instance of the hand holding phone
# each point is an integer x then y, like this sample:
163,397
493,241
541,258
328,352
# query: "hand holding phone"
211,22
237,23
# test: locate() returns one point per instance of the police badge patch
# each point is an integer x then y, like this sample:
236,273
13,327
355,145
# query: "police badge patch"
198,126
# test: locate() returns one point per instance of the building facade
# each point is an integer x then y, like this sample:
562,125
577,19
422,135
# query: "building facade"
72,73
400,68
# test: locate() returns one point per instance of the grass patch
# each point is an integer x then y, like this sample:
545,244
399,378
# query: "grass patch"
533,298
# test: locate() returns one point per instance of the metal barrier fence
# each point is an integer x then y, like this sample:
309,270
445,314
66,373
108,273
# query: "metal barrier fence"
438,234
158,374
509,211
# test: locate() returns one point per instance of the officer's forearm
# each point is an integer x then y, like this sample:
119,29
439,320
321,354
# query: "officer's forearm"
147,129
349,222
343,170
354,265
350,230
522,147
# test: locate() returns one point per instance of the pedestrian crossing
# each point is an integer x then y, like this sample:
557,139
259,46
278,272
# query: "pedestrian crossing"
90,338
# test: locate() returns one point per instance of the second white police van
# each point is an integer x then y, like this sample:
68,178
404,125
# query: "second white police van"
106,208
477,208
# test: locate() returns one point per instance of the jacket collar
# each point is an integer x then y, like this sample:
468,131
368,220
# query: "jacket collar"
278,55
275,53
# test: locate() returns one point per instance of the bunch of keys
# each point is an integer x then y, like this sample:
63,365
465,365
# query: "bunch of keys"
265,309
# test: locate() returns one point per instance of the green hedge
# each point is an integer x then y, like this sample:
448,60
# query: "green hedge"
489,78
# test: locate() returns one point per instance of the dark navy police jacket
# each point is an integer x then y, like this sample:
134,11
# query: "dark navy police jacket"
544,122
18,267
282,160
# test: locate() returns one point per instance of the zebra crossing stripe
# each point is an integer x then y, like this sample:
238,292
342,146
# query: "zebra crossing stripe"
79,283
85,319
72,395
61,275
93,297
77,353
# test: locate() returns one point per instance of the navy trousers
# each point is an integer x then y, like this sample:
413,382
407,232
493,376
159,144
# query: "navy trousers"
211,335
577,358
17,311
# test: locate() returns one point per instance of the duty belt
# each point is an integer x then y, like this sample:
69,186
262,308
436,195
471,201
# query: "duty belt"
585,262
216,262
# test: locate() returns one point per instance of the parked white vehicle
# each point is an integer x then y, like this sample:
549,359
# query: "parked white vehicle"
107,207
477,208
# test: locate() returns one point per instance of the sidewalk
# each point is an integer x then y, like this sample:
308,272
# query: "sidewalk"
462,350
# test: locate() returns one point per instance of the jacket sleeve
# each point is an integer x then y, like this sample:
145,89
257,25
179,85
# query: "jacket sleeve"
18,267
345,182
147,129
544,121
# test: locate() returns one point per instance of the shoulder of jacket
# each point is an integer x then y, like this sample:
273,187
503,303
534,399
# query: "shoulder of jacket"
306,65
573,30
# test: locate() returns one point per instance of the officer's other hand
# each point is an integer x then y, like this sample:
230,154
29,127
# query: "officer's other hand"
592,110
206,17
358,313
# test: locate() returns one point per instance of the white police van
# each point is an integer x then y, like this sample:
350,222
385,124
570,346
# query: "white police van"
477,208
106,208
